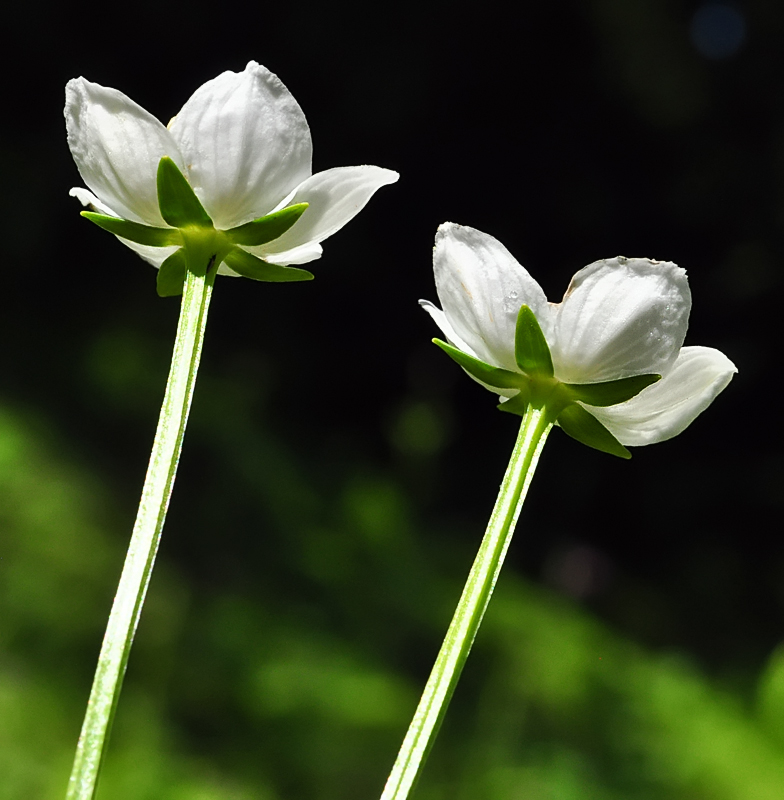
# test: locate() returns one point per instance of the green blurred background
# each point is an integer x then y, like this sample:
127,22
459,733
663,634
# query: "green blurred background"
339,470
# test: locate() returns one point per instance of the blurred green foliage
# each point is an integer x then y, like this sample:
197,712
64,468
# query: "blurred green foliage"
232,697
323,522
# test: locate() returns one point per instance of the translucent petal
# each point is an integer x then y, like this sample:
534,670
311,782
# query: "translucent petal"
154,255
245,142
334,197
297,255
90,201
440,319
621,317
117,145
666,408
446,328
482,287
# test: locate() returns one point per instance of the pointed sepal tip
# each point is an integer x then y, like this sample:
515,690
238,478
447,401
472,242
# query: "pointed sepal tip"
266,229
532,353
135,231
177,201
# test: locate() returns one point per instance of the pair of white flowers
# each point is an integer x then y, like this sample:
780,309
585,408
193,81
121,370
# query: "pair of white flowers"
243,145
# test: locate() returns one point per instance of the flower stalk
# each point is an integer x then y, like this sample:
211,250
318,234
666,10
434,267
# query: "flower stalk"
217,191
143,547
536,424
606,364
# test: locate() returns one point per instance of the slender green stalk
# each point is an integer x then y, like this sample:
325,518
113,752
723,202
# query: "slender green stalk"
146,535
454,651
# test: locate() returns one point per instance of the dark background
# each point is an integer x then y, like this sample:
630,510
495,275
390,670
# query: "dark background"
339,470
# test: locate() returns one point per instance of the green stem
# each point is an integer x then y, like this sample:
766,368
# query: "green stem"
135,577
454,651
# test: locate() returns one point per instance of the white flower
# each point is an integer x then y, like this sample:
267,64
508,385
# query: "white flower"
244,146
620,317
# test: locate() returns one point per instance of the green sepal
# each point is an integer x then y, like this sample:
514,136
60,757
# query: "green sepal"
265,229
610,393
171,275
135,231
176,199
584,427
492,376
531,350
518,404
247,265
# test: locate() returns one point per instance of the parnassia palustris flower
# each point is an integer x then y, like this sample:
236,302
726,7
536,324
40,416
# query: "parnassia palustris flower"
608,359
243,146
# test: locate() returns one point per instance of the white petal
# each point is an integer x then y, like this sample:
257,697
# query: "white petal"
482,287
117,145
335,196
621,317
245,142
90,201
666,408
153,255
440,319
297,255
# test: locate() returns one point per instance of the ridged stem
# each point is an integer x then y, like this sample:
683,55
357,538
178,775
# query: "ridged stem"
135,578
471,608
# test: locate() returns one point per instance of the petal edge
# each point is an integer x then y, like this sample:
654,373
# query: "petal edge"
621,317
246,142
334,197
482,287
117,145
668,407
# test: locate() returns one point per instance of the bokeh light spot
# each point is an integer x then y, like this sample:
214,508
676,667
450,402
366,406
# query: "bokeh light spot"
718,30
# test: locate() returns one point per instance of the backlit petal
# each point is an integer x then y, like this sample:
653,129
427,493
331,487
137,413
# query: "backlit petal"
153,255
481,287
449,332
91,202
666,408
334,197
245,142
297,255
621,317
440,319
117,145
